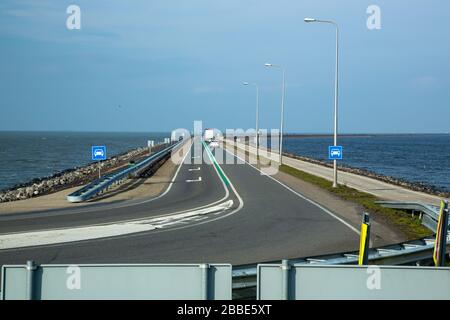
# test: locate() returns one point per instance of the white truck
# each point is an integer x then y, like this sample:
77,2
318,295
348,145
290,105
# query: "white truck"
208,135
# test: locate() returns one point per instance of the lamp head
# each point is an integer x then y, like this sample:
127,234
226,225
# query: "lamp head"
307,20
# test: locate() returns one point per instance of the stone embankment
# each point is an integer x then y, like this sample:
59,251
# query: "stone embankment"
416,186
72,177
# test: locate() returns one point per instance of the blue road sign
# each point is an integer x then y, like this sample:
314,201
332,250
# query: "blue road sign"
98,153
335,152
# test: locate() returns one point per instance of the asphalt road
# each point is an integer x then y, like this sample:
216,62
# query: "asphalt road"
181,196
273,223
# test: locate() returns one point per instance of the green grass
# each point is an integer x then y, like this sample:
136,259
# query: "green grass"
409,226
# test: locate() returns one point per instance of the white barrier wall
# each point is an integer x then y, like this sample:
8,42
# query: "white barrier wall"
142,281
300,282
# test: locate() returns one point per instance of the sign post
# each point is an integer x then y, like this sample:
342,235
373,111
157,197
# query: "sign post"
99,154
364,242
440,244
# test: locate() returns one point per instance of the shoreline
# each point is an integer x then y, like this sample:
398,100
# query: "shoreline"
414,186
78,176
72,177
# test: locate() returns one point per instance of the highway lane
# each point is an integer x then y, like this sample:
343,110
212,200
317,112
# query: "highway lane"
181,196
274,223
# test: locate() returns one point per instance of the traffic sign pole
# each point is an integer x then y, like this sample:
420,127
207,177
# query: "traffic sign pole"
335,153
99,154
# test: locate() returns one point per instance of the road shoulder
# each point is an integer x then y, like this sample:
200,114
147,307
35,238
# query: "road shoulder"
382,234
132,189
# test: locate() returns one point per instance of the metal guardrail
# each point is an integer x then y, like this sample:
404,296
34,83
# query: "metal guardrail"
97,186
411,252
429,213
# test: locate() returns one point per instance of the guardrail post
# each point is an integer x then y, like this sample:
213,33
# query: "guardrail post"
364,242
205,271
285,278
440,244
31,268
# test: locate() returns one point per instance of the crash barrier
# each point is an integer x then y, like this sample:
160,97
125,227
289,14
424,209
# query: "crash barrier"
94,188
428,214
414,252
213,281
117,281
300,282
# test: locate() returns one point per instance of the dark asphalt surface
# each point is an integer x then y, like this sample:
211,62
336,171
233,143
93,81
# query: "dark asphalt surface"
273,224
182,196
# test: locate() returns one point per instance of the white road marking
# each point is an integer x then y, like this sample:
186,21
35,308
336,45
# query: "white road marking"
300,195
152,199
93,209
27,239
37,238
196,169
197,180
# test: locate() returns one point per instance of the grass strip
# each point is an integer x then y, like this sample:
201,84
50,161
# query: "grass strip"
410,226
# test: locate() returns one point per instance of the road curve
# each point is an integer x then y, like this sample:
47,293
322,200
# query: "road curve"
182,195
274,223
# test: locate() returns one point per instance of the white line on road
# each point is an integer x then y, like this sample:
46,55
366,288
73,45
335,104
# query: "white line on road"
300,195
36,238
197,180
196,169
130,228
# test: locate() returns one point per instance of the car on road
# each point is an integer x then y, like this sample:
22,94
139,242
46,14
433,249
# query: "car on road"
208,135
214,144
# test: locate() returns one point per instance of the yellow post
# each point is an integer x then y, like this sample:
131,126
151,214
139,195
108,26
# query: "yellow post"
363,258
441,235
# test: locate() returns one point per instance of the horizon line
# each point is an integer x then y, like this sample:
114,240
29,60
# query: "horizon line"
169,131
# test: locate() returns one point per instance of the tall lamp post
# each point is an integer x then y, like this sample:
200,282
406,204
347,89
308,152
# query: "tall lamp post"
282,108
257,116
336,87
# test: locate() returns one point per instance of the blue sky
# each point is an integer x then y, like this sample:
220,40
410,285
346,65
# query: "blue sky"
147,65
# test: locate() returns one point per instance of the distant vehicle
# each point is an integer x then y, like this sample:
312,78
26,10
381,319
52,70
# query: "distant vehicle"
99,153
214,144
336,153
208,135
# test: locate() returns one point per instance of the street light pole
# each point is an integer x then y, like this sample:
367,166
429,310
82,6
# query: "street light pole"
336,90
283,92
257,118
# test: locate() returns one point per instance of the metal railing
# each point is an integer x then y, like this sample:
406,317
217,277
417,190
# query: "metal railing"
95,187
429,214
411,252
